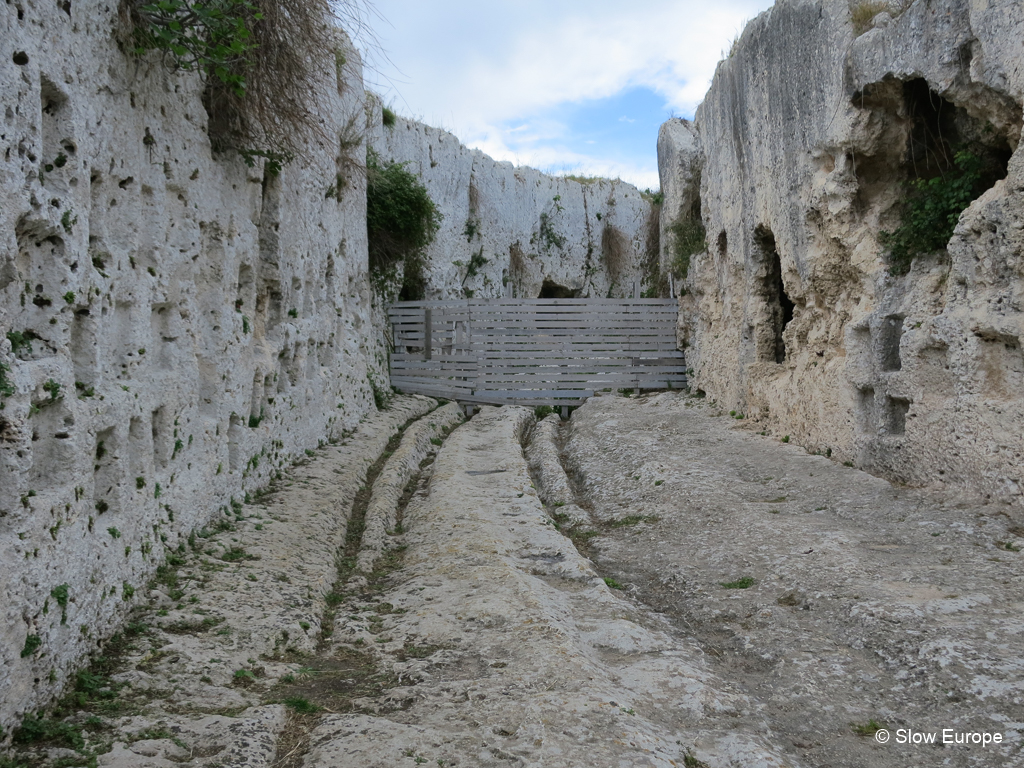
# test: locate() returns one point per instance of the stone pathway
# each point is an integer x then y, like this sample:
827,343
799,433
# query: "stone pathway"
513,651
869,604
746,605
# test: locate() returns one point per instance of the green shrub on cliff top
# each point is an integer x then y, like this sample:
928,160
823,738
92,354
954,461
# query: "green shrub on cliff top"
401,221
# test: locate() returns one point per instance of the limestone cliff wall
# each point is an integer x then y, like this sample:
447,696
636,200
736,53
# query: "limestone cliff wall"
794,316
582,239
183,325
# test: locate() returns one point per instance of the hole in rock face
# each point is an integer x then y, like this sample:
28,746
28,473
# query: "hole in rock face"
106,469
20,58
412,290
773,291
867,422
552,290
889,334
922,134
235,434
896,410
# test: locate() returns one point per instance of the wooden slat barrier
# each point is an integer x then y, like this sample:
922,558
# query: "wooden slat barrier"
534,351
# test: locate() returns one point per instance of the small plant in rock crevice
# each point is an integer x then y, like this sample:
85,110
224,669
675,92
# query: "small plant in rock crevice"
6,387
68,221
932,209
476,261
32,644
870,728
547,236
21,340
52,388
742,583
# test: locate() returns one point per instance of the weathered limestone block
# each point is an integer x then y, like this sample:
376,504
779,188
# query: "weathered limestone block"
183,324
809,135
547,236
679,170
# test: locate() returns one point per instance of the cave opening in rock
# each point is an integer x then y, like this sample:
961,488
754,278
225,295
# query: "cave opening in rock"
773,291
552,290
928,138
935,129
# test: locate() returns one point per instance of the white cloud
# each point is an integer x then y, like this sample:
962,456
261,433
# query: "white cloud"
474,68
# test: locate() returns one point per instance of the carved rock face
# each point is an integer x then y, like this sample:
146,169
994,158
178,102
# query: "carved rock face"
175,327
811,140
516,229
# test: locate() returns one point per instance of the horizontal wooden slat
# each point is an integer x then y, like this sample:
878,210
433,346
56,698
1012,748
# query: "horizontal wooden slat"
625,373
534,351
594,350
419,388
513,394
485,399
549,357
437,358
477,304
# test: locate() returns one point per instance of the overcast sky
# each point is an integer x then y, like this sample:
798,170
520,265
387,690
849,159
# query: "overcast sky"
559,85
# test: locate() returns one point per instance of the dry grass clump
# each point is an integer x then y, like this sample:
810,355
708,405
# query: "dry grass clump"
863,13
615,252
294,46
261,61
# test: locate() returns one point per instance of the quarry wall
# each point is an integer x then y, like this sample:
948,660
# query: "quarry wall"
176,325
508,226
797,315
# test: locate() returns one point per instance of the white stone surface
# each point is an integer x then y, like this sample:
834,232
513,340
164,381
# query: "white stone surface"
542,456
680,163
868,600
536,661
593,239
381,512
245,604
206,323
